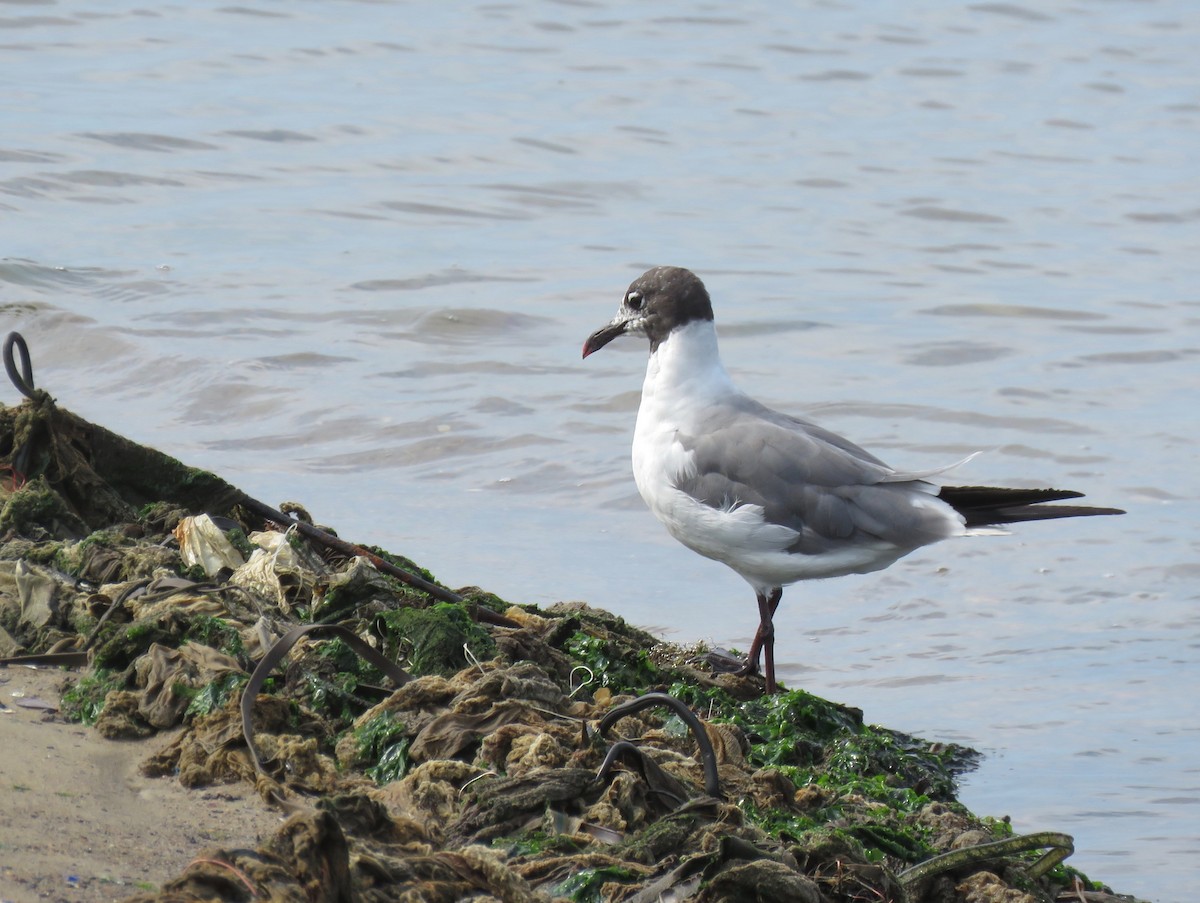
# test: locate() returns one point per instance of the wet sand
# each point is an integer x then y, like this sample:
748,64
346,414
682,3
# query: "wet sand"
79,823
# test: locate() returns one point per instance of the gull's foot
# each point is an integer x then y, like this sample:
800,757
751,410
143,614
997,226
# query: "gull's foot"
722,661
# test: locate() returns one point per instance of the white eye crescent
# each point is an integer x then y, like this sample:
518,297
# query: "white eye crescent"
634,300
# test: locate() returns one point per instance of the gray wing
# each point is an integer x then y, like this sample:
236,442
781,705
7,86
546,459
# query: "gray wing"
815,482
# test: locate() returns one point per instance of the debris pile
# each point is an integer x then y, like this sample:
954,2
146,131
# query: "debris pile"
438,745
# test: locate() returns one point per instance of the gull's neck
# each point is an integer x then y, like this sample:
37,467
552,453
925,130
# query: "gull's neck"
687,362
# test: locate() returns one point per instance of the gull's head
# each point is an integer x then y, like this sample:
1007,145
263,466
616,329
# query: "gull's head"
657,302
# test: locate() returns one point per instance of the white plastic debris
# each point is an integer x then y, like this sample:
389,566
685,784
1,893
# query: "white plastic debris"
202,542
275,558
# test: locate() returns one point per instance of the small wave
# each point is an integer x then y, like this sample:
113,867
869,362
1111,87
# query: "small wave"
28,272
430,280
445,210
279,136
1012,11
953,216
1017,311
148,142
1149,356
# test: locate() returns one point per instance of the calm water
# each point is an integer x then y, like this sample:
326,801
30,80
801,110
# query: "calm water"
347,252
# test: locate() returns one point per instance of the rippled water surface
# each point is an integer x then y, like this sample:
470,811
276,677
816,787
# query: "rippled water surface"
347,252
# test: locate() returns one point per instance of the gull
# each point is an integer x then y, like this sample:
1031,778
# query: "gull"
776,498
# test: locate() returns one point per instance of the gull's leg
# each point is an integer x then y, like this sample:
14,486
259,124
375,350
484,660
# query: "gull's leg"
766,611
764,637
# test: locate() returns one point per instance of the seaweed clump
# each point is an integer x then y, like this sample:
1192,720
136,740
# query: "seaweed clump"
444,746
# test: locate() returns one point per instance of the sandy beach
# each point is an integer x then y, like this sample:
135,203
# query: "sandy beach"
79,823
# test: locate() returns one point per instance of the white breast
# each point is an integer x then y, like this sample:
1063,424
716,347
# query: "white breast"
684,377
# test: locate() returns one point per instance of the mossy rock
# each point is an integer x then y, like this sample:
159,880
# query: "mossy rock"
96,477
37,511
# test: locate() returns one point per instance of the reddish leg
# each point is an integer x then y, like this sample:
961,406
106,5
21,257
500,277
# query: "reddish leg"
764,639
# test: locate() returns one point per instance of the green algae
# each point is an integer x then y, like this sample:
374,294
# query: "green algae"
84,700
392,764
347,663
237,538
385,741
433,639
218,633
213,695
118,645
538,842
613,664
360,590
586,885
335,681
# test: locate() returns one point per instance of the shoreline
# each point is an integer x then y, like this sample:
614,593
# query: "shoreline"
515,752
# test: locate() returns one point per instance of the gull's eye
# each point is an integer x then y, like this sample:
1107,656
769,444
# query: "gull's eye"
634,300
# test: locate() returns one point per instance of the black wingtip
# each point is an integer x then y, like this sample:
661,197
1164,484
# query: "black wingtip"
990,505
